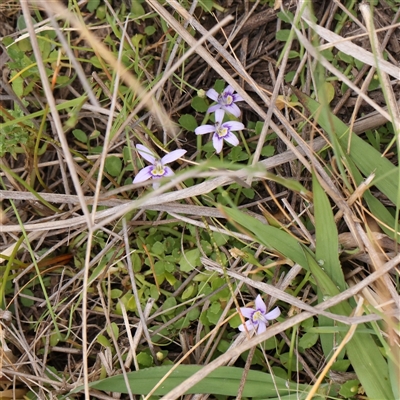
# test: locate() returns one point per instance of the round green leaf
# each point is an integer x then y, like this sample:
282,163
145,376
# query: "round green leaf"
113,165
188,122
199,104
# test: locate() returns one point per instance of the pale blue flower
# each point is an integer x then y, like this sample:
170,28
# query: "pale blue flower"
258,317
225,101
222,131
157,169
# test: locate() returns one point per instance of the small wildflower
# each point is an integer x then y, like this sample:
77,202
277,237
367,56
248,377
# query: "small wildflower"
158,169
225,101
222,131
258,318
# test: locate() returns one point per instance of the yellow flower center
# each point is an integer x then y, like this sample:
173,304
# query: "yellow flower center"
228,100
158,169
258,316
222,132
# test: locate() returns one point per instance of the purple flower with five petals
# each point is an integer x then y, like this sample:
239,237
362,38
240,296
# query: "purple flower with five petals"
158,169
258,317
222,131
225,101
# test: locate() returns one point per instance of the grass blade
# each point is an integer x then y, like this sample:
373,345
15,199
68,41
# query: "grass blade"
222,381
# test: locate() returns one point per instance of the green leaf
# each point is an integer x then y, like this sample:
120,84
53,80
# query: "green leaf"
349,388
190,260
268,151
199,104
18,86
272,238
80,135
249,193
158,248
346,58
219,85
137,9
326,235
103,341
362,156
364,354
293,54
27,302
114,329
286,16
189,292
329,91
283,35
145,359
237,154
326,253
290,362
113,165
222,381
308,340
258,128
92,5
115,293
150,30
188,122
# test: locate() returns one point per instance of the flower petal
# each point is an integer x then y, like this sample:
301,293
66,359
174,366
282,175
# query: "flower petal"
146,153
213,108
212,94
260,305
228,90
219,116
143,175
237,97
247,312
217,143
232,139
201,130
262,327
249,326
274,314
156,184
172,156
232,109
168,171
233,125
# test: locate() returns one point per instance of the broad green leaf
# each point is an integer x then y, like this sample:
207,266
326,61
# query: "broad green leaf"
150,30
326,235
363,352
362,156
349,389
190,260
145,359
222,381
365,157
80,135
92,5
113,165
308,340
188,122
199,104
283,35
269,236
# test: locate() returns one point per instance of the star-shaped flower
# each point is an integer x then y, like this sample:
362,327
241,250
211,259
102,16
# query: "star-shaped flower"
258,317
225,101
222,131
158,169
